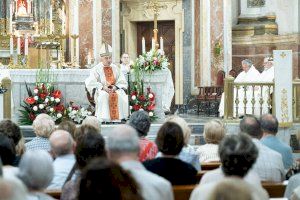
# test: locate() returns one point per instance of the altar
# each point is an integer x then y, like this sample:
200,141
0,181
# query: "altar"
69,81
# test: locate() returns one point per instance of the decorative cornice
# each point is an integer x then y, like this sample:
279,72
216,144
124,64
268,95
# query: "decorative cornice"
266,39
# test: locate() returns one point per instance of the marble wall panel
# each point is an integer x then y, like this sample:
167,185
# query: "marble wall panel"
107,21
216,34
85,30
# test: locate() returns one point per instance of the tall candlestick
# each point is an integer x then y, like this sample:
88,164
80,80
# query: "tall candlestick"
26,45
161,43
143,45
11,45
75,18
153,44
18,45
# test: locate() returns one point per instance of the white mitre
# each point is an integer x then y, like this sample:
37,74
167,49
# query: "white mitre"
105,50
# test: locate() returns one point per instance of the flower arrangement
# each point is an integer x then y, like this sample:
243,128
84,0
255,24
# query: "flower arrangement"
44,99
151,61
77,113
141,101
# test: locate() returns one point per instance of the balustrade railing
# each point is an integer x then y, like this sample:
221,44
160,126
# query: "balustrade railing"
254,98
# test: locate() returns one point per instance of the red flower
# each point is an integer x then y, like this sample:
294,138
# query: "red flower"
30,100
42,95
74,107
151,107
142,98
56,94
59,108
133,93
136,107
31,116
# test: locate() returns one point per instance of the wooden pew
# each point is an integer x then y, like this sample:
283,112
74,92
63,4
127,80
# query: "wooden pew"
53,193
183,192
210,165
274,189
200,175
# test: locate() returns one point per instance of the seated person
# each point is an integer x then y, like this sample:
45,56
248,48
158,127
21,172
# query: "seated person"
109,83
238,154
214,132
249,75
170,141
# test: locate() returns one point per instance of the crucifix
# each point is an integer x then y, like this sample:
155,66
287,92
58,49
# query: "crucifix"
155,6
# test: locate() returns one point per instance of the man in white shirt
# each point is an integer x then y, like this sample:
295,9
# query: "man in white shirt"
123,148
269,165
62,147
249,75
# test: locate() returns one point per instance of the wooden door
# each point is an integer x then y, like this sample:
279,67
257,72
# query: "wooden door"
166,29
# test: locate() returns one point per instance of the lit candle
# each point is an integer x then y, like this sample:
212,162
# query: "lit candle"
10,17
51,25
161,43
26,45
11,45
75,18
143,45
153,43
89,58
18,45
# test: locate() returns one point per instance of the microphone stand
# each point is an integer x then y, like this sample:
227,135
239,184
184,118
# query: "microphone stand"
128,93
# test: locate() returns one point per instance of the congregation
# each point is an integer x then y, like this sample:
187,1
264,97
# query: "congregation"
83,164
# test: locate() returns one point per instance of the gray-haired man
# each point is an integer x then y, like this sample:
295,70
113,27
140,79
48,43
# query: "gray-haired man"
123,148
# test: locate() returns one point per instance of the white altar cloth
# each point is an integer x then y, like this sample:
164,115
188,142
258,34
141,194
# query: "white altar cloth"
69,81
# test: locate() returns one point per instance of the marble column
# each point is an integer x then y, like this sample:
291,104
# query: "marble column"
116,30
86,31
227,36
205,43
107,21
97,30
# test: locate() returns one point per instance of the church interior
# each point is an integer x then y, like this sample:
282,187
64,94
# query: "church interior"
224,67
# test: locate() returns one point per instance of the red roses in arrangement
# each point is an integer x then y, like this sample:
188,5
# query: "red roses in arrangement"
141,101
43,99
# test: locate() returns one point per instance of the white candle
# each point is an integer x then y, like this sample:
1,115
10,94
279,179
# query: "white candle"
11,45
26,45
18,45
63,28
51,25
10,17
75,18
89,58
153,44
161,43
143,45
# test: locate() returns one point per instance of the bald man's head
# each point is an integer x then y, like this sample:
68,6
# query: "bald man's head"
61,142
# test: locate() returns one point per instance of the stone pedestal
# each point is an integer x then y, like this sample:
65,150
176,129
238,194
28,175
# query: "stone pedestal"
162,85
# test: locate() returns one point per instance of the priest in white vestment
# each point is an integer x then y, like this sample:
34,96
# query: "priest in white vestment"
109,84
267,76
125,63
249,75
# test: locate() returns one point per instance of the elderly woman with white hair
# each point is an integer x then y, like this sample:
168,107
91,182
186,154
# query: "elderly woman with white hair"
187,154
43,126
36,172
214,132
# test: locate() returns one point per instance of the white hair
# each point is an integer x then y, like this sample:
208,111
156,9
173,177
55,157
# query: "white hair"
123,139
43,125
247,62
36,170
92,121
